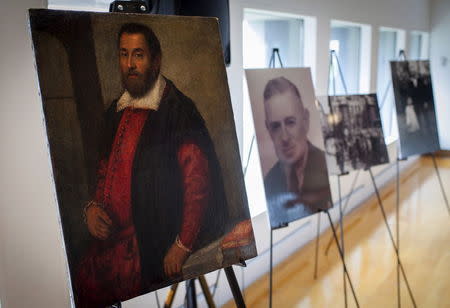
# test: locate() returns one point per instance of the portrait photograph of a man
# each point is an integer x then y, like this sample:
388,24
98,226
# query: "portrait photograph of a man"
414,103
290,143
144,151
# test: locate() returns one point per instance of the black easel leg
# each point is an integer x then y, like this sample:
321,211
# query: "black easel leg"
191,296
397,225
271,268
342,258
206,292
232,281
316,264
341,227
243,282
380,204
440,182
157,299
216,284
279,57
355,179
272,60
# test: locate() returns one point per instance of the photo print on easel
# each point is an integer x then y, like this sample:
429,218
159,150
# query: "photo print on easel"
414,104
353,133
143,145
290,143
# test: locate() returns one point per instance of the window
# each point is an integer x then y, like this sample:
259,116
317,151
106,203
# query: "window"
264,31
81,5
351,43
391,41
418,45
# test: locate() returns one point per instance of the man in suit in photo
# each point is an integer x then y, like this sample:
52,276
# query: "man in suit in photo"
297,185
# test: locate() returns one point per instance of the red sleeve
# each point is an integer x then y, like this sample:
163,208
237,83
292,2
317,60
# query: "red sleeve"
101,174
195,172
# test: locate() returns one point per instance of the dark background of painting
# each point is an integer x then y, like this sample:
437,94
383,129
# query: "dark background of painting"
76,57
426,139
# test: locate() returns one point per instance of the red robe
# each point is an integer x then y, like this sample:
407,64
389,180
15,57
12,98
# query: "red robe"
111,269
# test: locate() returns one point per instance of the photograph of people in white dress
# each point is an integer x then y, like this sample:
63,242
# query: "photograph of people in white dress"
414,103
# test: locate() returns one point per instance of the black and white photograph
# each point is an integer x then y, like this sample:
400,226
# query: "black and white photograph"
290,143
414,103
353,133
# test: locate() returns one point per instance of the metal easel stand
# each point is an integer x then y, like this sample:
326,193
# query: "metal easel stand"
341,254
401,55
341,225
397,228
191,295
283,225
275,53
352,188
271,268
333,56
399,263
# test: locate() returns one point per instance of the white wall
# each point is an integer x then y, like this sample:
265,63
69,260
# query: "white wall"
32,261
388,13
440,66
32,268
408,15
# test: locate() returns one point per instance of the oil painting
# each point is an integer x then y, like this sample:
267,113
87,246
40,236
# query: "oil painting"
143,148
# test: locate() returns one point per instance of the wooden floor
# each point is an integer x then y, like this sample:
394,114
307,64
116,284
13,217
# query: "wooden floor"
425,253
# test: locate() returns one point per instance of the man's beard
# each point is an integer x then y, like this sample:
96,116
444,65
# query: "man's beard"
139,84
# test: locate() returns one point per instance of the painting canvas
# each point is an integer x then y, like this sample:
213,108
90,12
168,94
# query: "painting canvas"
143,148
414,102
353,133
290,143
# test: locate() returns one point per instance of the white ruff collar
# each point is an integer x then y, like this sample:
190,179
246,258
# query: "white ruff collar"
150,100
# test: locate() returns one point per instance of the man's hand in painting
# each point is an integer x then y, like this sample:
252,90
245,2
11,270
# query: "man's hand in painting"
174,260
98,222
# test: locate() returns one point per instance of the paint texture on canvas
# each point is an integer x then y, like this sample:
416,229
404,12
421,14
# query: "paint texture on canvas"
144,150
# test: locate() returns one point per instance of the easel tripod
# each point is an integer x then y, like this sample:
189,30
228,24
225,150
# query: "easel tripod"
399,264
191,296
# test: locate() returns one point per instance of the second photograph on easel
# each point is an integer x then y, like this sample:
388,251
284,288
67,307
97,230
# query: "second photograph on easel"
353,133
290,143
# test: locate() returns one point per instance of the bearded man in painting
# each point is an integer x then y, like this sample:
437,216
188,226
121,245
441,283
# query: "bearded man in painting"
160,194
